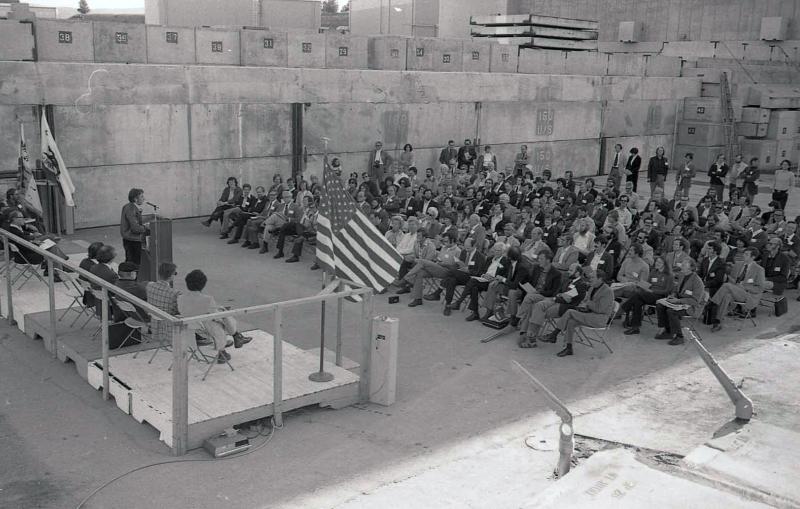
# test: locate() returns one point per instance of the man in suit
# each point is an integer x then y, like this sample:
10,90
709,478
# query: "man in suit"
470,263
632,167
467,154
749,284
567,254
689,293
254,208
545,279
777,266
449,153
254,223
377,167
712,268
570,295
600,258
518,273
131,227
594,311
293,226
717,174
497,269
615,173
477,232
446,260
285,212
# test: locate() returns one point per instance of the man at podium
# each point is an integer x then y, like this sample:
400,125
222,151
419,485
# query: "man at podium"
132,228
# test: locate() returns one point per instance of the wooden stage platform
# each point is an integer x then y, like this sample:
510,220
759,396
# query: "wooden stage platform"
144,390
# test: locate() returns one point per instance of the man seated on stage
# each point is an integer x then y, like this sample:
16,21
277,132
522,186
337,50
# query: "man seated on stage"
287,213
253,224
747,286
306,226
546,281
571,294
16,223
445,261
195,302
689,292
127,281
471,262
594,311
236,218
162,295
497,268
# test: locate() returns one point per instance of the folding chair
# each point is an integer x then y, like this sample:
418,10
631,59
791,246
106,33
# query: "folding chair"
586,335
748,312
133,319
161,330
27,270
74,290
98,298
195,352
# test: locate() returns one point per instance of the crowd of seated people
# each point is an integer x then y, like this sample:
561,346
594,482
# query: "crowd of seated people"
525,246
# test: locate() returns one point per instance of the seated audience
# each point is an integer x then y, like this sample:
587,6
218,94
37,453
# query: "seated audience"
231,197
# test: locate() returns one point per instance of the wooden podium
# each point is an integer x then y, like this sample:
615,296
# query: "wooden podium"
158,248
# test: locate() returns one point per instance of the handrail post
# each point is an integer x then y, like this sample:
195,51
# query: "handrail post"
339,309
104,336
9,284
277,369
51,290
180,388
366,347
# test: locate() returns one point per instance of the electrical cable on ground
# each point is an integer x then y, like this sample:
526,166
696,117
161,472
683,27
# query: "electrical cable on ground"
268,436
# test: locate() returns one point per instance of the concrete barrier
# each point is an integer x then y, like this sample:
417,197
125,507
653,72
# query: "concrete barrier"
387,52
505,58
582,157
432,54
476,55
224,131
306,50
217,46
124,43
64,41
586,63
765,150
636,118
345,51
755,115
624,64
539,121
16,40
264,48
700,134
170,45
542,61
751,130
659,65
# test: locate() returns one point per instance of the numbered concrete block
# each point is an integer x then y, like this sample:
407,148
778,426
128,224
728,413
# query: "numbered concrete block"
755,115
387,52
264,48
64,41
432,54
306,50
783,124
751,130
345,51
702,109
765,150
170,45
476,55
504,58
542,61
119,42
700,134
217,46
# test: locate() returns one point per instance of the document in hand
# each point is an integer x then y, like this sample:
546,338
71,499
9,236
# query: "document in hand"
529,289
481,279
47,244
677,307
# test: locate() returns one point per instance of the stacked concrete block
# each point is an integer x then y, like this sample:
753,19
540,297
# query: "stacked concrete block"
765,150
218,46
788,149
586,63
64,41
700,134
16,40
120,42
542,61
170,45
751,130
504,58
625,64
784,124
755,115
659,65
703,157
264,48
387,53
702,109
306,49
476,55
345,51
433,54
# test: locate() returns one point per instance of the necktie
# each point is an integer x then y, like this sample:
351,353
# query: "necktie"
742,275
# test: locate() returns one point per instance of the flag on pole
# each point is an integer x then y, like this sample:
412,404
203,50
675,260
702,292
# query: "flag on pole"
27,184
348,244
52,160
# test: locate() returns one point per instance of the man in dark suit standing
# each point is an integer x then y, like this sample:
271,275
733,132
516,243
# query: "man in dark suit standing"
449,153
379,164
131,227
632,168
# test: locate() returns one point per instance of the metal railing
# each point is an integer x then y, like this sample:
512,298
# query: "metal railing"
182,334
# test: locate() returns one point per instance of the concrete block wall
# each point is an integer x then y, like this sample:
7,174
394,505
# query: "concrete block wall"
16,40
170,45
183,129
120,42
264,48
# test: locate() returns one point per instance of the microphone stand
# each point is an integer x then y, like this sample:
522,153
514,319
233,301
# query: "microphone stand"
154,241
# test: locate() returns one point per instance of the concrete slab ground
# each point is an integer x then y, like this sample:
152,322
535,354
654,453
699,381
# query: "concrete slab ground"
59,440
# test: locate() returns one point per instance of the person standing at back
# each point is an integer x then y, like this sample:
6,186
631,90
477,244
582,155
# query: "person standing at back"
131,227
632,168
615,174
657,169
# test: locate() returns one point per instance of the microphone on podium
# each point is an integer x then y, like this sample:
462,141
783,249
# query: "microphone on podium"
152,205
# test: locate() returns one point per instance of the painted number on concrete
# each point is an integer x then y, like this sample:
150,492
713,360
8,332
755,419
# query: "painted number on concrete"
269,43
64,37
306,47
446,58
701,110
420,52
542,160
476,55
121,37
172,37
343,51
544,122
395,53
216,46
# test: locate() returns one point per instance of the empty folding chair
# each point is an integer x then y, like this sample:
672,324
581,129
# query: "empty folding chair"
27,270
75,291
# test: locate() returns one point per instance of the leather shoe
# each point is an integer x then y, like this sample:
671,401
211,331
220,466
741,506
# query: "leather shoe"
206,223
246,243
677,340
457,304
514,321
223,236
434,296
566,351
552,337
233,241
631,331
403,290
293,259
716,327
314,267
447,311
239,340
414,303
263,249
664,335
278,255
472,317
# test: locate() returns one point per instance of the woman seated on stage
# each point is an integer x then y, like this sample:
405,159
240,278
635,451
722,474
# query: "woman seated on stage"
231,197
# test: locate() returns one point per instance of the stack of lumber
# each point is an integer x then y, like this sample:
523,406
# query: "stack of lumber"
533,31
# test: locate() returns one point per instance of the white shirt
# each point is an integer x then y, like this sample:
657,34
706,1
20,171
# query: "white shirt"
379,156
492,270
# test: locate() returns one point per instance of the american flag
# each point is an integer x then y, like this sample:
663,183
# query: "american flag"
348,244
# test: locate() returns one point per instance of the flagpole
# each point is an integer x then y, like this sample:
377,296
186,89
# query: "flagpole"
321,375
